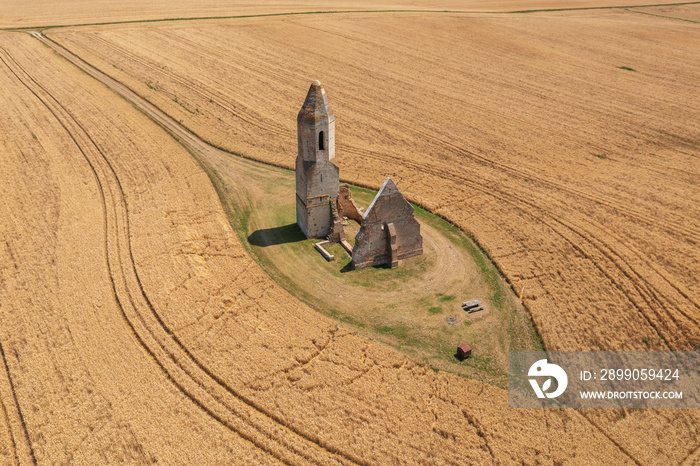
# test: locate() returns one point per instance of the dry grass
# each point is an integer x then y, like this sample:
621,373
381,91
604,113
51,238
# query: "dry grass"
405,307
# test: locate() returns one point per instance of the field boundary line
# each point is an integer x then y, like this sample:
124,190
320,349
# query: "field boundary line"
331,12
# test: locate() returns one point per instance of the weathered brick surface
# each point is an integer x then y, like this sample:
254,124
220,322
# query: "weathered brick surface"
337,234
316,176
389,230
346,206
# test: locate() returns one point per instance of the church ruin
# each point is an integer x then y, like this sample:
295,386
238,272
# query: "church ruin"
388,230
316,142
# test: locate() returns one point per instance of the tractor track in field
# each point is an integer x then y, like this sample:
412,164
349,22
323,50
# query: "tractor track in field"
578,234
25,453
217,99
588,244
613,249
673,226
692,458
193,379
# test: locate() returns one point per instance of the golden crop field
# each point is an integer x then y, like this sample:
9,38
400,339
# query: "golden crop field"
136,328
578,177
153,337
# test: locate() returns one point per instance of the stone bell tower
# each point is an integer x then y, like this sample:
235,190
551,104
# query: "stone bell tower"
317,177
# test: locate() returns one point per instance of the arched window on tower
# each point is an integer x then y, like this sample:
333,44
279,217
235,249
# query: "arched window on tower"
321,142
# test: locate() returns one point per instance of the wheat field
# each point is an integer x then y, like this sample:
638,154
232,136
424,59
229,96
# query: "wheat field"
137,329
578,177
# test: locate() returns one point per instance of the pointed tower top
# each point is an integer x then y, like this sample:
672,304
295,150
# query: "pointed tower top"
316,107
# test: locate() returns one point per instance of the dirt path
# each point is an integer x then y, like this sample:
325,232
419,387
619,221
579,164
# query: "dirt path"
406,308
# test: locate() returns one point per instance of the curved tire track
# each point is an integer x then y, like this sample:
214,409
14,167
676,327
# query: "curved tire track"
588,244
216,97
581,235
219,400
20,443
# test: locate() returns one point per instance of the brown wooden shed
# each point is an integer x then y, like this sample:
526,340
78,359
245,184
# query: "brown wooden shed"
464,351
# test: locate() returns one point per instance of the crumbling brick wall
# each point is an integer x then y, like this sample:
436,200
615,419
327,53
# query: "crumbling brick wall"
346,206
337,233
389,230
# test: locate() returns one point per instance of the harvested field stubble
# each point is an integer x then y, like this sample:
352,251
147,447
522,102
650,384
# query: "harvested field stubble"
209,360
135,329
578,176
77,386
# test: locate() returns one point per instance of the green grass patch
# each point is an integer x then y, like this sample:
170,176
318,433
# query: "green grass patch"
414,326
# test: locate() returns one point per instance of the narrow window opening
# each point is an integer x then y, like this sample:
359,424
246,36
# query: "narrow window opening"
321,142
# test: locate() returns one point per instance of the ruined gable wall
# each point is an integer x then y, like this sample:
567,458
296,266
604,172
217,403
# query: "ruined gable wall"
370,247
371,243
